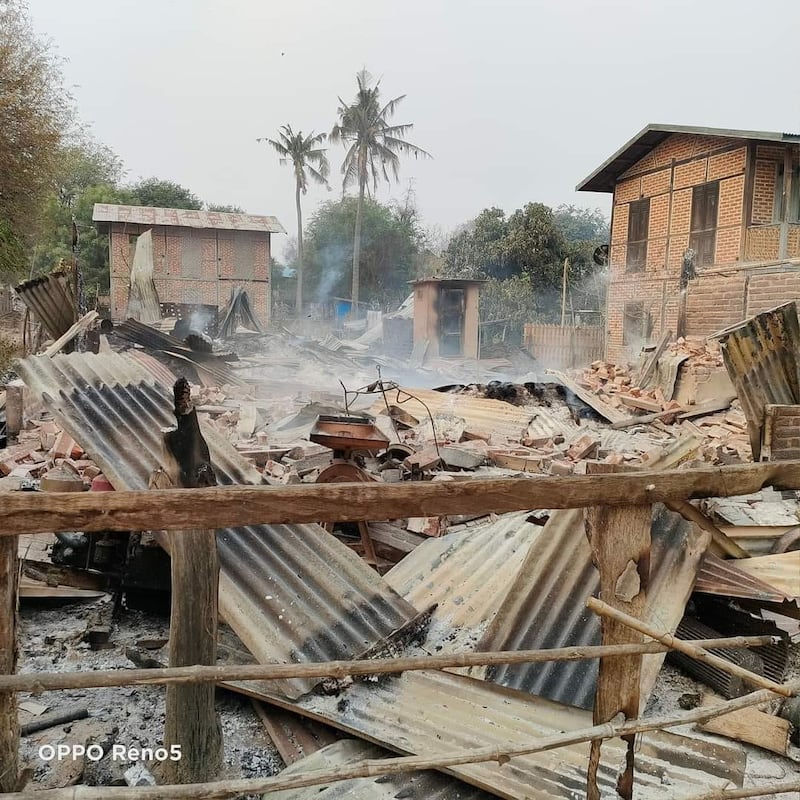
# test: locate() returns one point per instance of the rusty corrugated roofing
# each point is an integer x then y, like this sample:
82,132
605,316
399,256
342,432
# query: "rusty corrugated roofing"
52,299
467,575
185,218
137,333
723,577
292,593
546,605
760,355
426,785
437,712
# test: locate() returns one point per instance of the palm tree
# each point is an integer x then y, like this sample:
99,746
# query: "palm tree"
373,144
308,159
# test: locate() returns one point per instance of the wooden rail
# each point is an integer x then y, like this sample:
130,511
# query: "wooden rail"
211,508
220,790
231,506
37,682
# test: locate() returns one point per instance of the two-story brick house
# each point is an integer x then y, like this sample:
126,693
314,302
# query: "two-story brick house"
705,230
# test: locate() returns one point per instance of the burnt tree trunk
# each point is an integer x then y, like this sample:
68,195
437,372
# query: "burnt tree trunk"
9,728
191,720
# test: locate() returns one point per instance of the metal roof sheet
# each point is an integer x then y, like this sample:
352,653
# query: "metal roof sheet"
52,299
760,355
292,593
720,577
491,417
185,218
605,176
437,712
546,605
426,785
467,575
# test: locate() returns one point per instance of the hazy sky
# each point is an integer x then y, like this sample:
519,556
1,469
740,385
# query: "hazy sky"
517,100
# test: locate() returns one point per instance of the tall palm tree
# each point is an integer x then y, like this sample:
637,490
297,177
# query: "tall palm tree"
372,146
308,159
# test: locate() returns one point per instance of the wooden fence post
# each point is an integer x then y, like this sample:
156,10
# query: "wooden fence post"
191,718
9,727
620,541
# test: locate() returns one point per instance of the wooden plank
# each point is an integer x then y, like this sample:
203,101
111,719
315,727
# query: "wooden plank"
692,514
708,408
652,361
231,506
603,409
191,718
620,541
640,402
9,725
752,726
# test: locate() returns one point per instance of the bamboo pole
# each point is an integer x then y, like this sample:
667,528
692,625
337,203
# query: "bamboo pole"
768,790
692,514
371,768
37,682
232,506
605,610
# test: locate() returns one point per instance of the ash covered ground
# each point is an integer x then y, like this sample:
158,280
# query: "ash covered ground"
50,640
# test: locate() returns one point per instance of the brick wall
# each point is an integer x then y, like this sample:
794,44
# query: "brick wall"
714,302
783,433
767,290
185,265
681,162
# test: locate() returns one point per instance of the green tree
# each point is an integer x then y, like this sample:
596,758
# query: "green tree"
163,194
373,149
307,159
88,173
225,208
389,250
35,109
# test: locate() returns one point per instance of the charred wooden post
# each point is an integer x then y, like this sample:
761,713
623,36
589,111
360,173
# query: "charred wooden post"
9,727
620,541
191,719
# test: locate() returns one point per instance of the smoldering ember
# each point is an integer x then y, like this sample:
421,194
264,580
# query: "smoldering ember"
380,513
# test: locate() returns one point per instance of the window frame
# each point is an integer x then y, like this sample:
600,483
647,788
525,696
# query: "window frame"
703,232
636,252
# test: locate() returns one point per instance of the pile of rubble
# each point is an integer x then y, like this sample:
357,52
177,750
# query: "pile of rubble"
437,584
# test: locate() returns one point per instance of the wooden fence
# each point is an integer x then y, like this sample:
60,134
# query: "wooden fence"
564,347
619,511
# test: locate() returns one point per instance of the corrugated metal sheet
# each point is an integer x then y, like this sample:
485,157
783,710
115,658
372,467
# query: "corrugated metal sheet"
725,578
292,593
159,371
546,605
53,301
185,218
760,355
781,570
467,575
137,333
440,712
427,785
491,417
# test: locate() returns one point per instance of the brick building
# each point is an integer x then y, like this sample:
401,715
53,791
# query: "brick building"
198,256
705,230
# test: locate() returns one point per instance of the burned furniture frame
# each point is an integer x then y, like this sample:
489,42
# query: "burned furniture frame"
618,522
